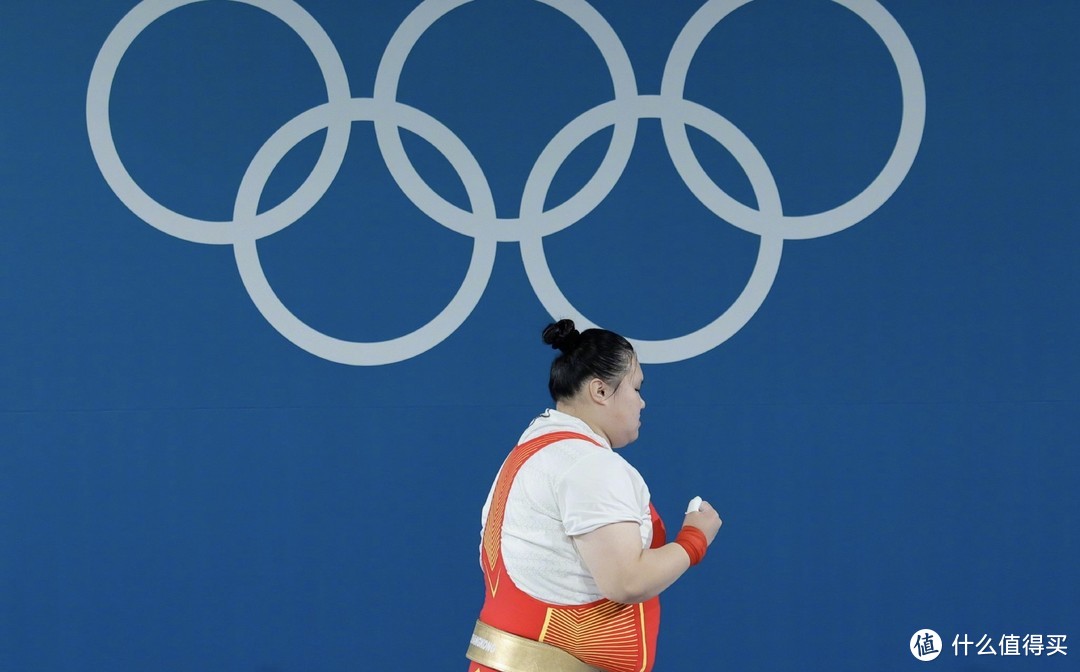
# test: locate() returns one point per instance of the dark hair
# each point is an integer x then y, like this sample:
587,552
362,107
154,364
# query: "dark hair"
593,353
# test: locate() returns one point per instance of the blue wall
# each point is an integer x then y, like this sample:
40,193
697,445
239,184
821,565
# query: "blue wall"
255,443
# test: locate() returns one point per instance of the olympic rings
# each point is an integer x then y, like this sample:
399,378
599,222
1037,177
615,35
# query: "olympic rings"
480,222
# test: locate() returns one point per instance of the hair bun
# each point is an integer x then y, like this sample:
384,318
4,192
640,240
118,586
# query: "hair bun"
561,335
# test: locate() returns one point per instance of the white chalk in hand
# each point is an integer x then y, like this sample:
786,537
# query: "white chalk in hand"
694,505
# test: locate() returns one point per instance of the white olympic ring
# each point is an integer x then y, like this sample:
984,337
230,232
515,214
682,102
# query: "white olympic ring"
481,223
173,223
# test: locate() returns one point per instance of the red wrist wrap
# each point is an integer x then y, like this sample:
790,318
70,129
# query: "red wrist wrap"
693,542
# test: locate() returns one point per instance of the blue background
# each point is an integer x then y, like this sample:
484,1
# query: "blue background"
891,440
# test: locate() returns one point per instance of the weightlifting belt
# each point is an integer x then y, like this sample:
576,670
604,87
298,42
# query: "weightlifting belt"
503,651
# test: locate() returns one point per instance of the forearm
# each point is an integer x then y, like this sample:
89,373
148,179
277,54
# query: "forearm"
654,570
623,570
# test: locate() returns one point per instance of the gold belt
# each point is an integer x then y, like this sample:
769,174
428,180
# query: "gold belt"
507,652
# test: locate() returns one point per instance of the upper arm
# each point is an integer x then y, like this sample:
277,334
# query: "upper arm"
611,553
599,490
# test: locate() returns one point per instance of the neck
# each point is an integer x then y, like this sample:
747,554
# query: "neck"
583,413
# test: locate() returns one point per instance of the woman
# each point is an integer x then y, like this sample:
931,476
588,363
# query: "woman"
573,553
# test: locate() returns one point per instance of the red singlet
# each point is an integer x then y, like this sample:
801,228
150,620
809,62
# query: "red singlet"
605,634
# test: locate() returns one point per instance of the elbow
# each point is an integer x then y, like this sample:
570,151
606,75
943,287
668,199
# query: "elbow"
625,591
628,598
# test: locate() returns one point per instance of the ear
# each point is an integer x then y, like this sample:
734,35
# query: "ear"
599,392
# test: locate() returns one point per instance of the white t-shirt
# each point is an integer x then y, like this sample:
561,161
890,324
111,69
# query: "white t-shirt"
566,489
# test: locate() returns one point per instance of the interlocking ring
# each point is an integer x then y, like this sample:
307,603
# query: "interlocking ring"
480,222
